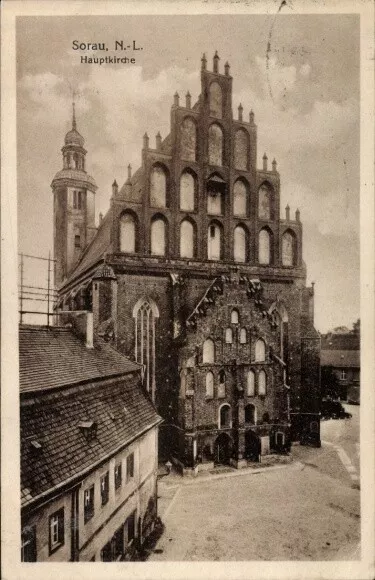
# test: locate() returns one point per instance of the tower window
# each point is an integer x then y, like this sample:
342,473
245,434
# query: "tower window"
77,241
234,316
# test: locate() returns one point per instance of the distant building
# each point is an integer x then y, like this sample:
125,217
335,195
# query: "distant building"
88,450
193,273
341,352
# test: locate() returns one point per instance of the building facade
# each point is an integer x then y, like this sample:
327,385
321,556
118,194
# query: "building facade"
193,274
341,353
89,439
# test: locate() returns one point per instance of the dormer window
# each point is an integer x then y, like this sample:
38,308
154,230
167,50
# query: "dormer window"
89,429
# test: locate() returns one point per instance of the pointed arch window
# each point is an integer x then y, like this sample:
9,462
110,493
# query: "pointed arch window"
187,241
264,200
158,187
264,247
216,100
250,384
215,145
188,139
250,414
209,385
187,191
241,149
260,350
145,314
214,242
221,389
240,192
158,237
243,336
228,335
239,244
288,249
262,383
208,351
127,233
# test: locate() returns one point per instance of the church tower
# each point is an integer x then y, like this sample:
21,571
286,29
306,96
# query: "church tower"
74,205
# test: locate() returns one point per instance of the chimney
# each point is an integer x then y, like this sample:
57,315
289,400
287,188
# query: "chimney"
89,330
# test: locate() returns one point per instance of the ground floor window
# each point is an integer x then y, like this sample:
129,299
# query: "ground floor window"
28,544
115,549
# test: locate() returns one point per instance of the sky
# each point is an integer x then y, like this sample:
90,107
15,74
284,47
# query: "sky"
299,74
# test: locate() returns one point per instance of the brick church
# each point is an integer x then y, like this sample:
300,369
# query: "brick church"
193,274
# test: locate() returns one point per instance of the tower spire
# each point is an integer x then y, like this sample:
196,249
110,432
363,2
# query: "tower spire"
74,122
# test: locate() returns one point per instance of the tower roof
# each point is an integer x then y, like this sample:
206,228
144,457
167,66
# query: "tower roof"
73,137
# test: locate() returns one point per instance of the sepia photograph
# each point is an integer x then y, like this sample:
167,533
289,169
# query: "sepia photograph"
191,315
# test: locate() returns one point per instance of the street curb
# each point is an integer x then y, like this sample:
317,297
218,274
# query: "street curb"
237,473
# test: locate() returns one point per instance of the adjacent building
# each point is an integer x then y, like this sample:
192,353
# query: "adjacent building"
194,274
89,438
341,353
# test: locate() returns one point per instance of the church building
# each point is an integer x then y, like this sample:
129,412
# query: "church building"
193,274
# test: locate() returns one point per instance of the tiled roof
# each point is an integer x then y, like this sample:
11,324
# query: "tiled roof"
118,406
54,357
347,341
340,358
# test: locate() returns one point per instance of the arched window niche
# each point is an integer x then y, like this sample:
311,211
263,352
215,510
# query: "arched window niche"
158,236
216,100
209,385
250,414
221,388
262,383
241,150
265,248
265,201
215,145
234,316
187,191
240,195
188,139
215,194
228,335
128,233
243,336
225,419
187,239
250,384
208,351
260,350
288,249
158,186
240,238
215,241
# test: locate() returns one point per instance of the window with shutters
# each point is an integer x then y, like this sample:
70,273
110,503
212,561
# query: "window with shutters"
129,467
56,530
88,503
104,488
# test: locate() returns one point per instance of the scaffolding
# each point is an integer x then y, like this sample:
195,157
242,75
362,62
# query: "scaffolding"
32,289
